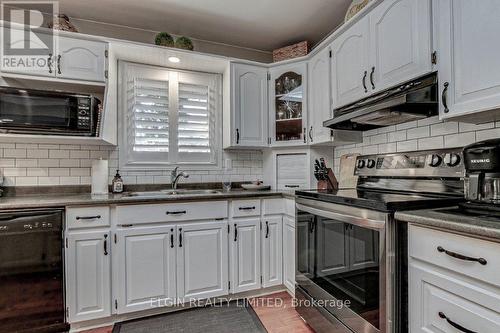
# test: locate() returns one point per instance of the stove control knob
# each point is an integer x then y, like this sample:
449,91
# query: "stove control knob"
452,159
436,160
361,164
370,164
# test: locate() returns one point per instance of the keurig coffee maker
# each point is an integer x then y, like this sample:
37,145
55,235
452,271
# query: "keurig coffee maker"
482,167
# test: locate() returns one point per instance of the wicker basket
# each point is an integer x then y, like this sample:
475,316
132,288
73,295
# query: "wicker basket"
292,51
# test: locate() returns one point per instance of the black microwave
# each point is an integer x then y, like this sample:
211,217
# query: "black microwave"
30,111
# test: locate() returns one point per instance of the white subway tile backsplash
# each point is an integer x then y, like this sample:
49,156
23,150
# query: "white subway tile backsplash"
397,136
58,153
26,181
79,154
14,172
428,121
465,127
407,125
380,138
417,132
50,163
444,128
37,153
493,133
69,180
435,142
26,163
407,145
58,172
15,153
37,172
459,140
48,181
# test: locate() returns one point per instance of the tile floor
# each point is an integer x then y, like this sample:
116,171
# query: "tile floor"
275,312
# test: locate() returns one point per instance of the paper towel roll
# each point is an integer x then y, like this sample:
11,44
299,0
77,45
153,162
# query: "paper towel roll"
100,177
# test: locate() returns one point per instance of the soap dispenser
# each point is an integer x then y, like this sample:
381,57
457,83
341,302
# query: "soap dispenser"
117,184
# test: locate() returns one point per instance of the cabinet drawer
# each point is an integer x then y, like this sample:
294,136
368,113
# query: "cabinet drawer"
87,217
273,206
430,245
438,302
243,208
175,212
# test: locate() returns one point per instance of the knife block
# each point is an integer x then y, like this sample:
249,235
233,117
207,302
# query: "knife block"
330,184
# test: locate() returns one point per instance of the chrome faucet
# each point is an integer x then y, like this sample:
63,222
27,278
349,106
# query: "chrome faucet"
174,177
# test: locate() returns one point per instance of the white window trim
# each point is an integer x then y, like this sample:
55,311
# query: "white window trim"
124,160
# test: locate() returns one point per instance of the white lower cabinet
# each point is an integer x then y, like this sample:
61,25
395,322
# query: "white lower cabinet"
289,253
88,275
447,293
202,260
272,251
146,267
245,254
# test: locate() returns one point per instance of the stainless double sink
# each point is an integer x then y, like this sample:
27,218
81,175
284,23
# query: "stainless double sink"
165,193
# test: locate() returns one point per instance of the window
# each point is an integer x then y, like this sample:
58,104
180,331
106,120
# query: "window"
169,117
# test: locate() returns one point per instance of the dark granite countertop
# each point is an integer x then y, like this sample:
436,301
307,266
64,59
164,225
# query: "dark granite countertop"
445,219
62,200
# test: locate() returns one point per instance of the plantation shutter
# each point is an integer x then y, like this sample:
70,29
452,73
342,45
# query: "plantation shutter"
169,118
196,118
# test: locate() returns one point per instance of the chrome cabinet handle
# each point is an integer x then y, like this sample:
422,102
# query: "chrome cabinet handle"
172,238
267,229
237,136
235,232
88,217
59,64
310,134
457,326
444,97
364,81
180,237
105,245
482,261
179,212
371,77
49,63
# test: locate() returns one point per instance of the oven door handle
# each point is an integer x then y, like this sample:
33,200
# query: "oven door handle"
351,219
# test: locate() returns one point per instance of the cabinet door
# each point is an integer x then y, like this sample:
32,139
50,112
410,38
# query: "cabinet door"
245,254
291,171
249,93
288,105
202,260
272,251
332,247
350,64
81,59
469,68
88,276
146,267
400,47
363,244
319,97
289,253
45,65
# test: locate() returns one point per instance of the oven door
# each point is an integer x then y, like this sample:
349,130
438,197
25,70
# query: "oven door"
40,112
341,262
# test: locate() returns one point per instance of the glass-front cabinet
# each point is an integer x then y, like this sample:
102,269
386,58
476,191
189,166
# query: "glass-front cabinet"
288,105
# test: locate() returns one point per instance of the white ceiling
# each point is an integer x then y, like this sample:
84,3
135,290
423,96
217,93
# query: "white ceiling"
259,24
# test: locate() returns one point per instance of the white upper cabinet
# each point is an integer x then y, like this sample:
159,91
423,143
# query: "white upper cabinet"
288,104
81,59
400,42
349,70
319,97
202,260
72,58
249,115
245,254
146,267
389,46
468,61
88,275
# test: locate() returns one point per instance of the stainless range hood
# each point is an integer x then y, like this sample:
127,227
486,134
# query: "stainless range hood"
413,100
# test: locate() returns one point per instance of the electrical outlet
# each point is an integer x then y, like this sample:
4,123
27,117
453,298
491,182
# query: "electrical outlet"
228,164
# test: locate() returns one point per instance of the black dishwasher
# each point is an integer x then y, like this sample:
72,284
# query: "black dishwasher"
31,272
